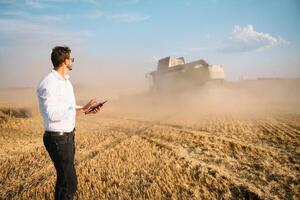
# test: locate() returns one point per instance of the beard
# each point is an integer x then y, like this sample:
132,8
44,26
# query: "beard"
69,67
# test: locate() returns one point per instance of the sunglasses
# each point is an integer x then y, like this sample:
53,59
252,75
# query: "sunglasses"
72,59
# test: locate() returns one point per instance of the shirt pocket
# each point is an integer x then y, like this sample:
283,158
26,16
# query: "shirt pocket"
59,91
60,94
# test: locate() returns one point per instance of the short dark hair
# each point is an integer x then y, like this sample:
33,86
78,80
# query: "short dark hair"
59,55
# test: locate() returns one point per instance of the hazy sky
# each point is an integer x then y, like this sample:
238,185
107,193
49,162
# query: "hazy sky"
116,42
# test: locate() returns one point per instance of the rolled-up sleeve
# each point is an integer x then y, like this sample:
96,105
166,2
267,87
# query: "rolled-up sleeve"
53,109
78,106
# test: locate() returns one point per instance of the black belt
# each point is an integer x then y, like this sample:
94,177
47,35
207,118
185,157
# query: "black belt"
58,133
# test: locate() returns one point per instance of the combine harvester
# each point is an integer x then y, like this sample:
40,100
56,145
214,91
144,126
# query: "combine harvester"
174,75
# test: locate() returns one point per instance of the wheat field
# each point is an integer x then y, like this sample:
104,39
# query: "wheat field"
157,153
210,157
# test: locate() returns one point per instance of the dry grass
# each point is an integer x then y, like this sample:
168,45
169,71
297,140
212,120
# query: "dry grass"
6,113
226,156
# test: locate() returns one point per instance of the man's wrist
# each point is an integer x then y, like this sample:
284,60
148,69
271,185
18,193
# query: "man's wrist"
79,111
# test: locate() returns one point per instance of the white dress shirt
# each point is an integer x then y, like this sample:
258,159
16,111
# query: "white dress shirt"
57,102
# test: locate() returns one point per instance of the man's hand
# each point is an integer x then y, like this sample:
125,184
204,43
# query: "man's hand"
89,104
94,111
85,108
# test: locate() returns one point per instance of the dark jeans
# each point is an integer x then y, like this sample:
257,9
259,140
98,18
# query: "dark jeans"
62,152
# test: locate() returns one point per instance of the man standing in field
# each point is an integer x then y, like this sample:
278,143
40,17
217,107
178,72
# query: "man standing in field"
59,110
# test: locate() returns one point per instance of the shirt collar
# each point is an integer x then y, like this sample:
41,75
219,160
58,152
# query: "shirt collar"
59,76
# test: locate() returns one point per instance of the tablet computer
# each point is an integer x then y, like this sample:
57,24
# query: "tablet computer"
97,105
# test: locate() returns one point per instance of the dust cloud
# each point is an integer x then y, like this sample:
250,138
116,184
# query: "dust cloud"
242,97
248,97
